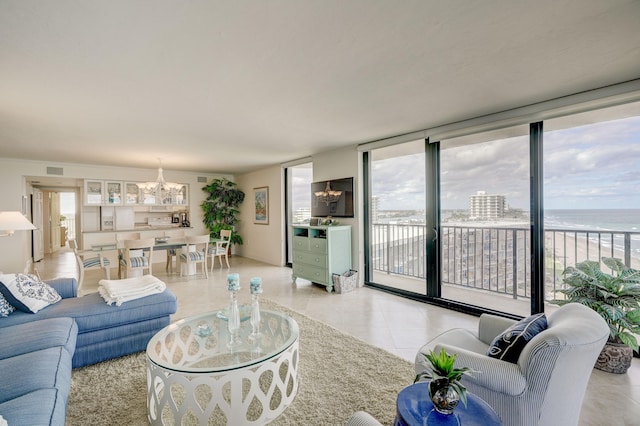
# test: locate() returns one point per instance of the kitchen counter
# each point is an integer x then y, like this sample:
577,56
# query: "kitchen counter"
140,228
90,238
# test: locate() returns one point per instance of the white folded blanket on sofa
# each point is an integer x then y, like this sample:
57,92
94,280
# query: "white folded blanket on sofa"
120,291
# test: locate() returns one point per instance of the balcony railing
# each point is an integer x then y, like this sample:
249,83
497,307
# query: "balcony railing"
70,224
496,259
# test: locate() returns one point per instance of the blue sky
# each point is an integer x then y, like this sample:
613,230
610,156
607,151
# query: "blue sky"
595,166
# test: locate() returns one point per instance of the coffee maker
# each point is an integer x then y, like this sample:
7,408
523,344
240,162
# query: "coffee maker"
184,219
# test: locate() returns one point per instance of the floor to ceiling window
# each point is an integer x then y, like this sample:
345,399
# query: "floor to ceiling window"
397,212
591,197
298,181
510,208
484,233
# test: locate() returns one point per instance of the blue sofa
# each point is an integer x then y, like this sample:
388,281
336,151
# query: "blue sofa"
38,351
35,371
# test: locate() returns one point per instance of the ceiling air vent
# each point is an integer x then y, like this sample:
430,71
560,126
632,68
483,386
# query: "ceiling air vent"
55,171
202,179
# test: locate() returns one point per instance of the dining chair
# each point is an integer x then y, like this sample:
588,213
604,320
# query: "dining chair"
85,263
221,248
194,252
172,253
121,237
137,257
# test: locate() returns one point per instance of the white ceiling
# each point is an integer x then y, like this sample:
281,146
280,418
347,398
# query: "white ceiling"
231,86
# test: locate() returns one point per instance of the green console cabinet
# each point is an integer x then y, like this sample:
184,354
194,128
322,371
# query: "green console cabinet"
320,251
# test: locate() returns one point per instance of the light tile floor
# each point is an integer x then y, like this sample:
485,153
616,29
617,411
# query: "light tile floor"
395,324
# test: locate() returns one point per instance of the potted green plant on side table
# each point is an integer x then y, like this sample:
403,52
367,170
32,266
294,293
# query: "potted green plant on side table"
445,389
616,298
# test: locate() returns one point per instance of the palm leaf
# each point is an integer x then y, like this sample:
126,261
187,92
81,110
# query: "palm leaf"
615,297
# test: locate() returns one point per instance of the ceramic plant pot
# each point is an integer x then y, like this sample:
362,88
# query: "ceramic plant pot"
615,358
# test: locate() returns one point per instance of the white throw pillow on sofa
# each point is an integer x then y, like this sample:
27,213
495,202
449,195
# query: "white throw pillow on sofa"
27,293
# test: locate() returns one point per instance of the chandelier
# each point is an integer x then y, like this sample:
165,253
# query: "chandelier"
159,184
328,195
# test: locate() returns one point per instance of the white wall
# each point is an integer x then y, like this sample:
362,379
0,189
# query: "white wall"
15,252
341,163
265,243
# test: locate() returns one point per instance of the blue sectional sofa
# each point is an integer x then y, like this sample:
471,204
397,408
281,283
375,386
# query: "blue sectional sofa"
38,351
35,371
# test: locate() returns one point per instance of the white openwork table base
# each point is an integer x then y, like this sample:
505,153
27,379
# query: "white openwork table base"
252,395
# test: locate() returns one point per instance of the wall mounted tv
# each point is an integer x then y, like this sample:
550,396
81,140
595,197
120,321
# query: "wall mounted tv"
332,198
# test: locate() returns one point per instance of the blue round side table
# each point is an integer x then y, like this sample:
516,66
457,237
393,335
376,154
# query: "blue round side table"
414,408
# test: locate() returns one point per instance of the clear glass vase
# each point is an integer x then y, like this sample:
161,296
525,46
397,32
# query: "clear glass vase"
444,398
233,321
255,317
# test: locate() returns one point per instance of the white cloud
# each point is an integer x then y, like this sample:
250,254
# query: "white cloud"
594,166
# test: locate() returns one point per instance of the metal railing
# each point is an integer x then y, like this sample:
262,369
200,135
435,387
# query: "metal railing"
496,259
70,224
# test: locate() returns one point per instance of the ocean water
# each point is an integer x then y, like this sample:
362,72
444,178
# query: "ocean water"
618,220
596,219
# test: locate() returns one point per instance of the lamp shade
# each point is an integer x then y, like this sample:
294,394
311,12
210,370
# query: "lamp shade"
14,221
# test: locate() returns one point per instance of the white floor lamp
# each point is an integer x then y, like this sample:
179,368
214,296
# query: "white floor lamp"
14,221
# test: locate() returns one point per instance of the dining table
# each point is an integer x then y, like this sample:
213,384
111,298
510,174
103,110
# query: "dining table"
171,243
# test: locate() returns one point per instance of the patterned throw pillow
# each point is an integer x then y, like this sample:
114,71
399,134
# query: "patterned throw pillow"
27,293
5,307
508,345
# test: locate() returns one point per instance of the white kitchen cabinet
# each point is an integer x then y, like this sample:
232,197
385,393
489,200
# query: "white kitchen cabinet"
114,191
131,194
118,193
103,192
93,192
175,196
182,196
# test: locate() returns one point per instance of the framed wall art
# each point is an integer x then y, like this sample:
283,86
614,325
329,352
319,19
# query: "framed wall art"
261,205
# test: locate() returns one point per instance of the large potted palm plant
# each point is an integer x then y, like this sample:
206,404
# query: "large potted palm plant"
220,208
616,297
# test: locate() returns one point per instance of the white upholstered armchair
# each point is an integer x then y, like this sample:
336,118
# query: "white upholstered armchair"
547,384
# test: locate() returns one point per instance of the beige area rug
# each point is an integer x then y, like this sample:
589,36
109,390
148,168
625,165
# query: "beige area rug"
338,375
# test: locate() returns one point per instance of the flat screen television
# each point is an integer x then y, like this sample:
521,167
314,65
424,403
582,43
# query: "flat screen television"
332,198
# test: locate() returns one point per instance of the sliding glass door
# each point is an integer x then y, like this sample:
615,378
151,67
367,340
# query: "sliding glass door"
484,232
397,217
510,210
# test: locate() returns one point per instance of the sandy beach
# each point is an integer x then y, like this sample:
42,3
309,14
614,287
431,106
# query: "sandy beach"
573,247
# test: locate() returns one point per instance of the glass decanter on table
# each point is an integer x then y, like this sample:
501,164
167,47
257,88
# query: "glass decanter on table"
233,321
256,290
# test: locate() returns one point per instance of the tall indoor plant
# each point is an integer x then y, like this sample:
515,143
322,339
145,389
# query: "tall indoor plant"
616,298
220,208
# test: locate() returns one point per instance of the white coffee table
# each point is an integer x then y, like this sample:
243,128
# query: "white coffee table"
193,377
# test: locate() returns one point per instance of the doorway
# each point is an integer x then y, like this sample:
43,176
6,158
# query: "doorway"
55,211
398,217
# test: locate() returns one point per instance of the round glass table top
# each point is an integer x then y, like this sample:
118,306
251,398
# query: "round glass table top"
200,344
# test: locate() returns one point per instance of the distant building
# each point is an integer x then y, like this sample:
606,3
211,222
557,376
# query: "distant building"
487,206
375,208
302,215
